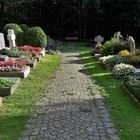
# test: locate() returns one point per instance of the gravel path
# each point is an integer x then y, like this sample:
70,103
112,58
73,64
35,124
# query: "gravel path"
67,111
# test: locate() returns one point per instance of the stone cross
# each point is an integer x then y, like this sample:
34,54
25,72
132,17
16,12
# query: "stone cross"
2,41
99,39
11,38
131,43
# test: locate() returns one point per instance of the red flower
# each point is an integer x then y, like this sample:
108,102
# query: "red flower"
30,48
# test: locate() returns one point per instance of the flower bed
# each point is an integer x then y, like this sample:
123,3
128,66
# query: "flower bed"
30,48
22,73
8,86
12,65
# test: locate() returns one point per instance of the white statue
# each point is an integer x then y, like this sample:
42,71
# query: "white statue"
99,39
118,36
11,38
131,43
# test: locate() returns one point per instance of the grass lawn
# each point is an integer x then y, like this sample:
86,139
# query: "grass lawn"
18,107
123,110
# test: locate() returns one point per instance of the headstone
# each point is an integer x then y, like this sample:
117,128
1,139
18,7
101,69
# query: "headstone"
99,39
11,38
131,43
2,41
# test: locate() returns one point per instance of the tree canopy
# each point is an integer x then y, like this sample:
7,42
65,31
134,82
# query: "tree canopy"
83,18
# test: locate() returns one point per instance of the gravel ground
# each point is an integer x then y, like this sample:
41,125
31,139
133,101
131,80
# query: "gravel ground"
71,108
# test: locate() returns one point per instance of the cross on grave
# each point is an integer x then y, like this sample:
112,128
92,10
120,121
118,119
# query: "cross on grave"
11,38
2,41
99,39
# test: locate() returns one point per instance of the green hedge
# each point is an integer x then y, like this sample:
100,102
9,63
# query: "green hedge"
37,37
18,32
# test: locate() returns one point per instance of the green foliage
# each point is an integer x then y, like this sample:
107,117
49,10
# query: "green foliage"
26,33
117,47
14,52
24,27
37,37
4,52
122,70
134,60
133,85
5,83
18,32
106,48
113,47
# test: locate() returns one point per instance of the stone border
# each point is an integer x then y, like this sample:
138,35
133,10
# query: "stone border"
32,64
22,74
9,90
4,58
38,58
131,95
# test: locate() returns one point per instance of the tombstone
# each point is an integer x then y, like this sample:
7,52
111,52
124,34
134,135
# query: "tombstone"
131,43
11,38
118,36
99,39
2,41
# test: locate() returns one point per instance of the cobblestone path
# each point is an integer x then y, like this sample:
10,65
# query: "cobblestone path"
67,111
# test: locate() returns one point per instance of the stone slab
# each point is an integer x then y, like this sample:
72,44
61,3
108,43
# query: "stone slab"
4,58
97,56
9,91
22,74
137,72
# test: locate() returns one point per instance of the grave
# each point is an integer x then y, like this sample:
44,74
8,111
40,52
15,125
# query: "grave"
22,74
99,39
2,41
11,38
9,91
